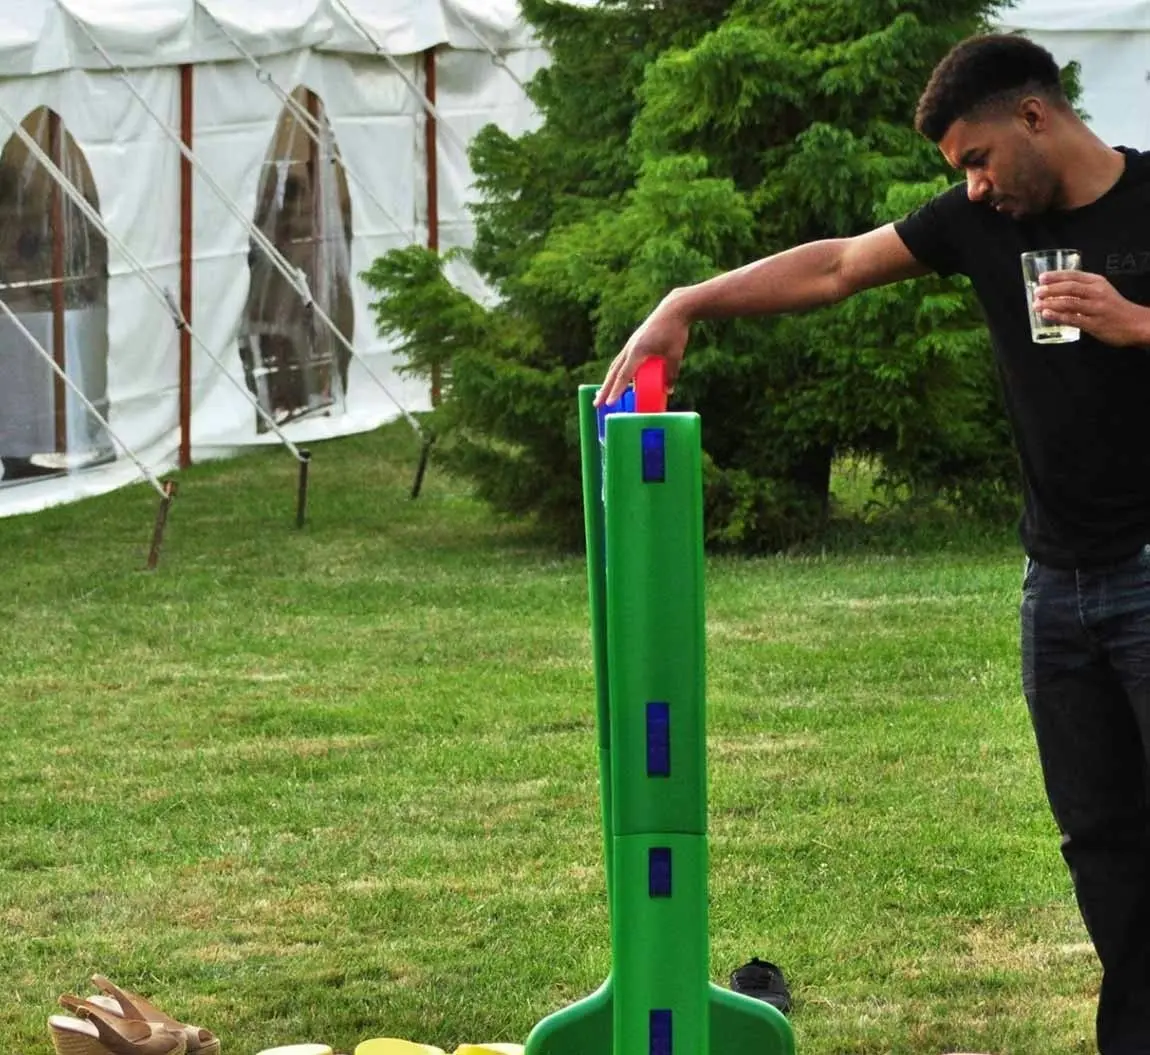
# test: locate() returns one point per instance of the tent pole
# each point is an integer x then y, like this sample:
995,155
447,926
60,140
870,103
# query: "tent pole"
309,364
313,177
187,86
59,249
432,150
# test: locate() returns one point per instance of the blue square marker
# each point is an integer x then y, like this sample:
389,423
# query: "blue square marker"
658,740
654,456
661,1033
659,871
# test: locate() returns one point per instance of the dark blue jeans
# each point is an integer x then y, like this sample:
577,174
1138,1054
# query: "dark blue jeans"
1086,675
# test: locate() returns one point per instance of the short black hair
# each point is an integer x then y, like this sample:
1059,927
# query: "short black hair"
982,72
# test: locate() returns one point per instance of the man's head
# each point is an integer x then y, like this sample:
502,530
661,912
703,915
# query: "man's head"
995,107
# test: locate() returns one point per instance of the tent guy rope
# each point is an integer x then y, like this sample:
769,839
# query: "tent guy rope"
166,491
44,354
383,53
496,58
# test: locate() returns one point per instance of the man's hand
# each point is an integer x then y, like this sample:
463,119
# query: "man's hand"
664,333
1090,302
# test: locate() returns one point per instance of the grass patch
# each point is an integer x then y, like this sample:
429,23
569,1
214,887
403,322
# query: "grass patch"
341,782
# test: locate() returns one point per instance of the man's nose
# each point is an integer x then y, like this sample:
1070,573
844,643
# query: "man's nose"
977,186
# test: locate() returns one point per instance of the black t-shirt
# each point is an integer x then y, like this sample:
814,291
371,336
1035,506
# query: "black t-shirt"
1080,411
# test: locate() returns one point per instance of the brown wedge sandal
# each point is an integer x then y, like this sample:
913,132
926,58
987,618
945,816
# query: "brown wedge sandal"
98,1032
132,1006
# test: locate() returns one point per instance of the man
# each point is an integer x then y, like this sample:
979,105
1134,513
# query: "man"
1036,178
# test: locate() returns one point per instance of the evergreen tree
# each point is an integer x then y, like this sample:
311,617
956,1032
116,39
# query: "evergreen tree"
680,140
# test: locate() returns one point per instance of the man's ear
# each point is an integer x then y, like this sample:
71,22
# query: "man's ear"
1034,113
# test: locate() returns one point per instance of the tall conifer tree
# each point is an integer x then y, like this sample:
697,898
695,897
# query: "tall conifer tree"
679,140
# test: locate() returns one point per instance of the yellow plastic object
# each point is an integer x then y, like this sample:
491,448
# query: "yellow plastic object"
489,1049
392,1046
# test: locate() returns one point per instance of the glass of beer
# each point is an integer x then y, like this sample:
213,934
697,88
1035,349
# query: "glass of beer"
1034,266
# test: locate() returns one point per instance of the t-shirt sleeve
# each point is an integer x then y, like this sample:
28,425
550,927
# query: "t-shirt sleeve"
932,233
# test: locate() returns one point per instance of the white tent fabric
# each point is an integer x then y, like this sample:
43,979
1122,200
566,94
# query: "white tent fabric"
1111,41
1077,16
39,36
378,124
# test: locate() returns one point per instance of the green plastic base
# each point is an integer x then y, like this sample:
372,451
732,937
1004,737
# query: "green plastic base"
739,1025
584,1028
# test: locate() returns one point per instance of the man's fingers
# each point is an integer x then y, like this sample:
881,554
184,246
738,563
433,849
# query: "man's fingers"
1070,304
614,383
1051,278
612,377
1069,288
1070,314
1064,306
1069,299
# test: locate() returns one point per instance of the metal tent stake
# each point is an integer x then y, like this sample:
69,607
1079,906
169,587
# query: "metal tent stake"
301,498
421,469
161,523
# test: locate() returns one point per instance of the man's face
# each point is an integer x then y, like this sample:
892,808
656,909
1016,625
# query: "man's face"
1004,162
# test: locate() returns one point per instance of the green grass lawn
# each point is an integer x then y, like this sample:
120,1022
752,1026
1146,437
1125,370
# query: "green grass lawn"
341,782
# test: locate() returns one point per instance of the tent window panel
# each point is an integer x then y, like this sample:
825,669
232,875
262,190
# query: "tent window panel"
293,364
54,277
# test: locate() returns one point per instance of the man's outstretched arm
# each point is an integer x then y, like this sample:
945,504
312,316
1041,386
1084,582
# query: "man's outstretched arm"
808,276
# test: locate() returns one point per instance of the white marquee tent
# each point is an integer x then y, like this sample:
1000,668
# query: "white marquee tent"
106,89
258,240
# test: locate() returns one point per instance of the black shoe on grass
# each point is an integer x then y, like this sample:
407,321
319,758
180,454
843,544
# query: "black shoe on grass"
764,981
